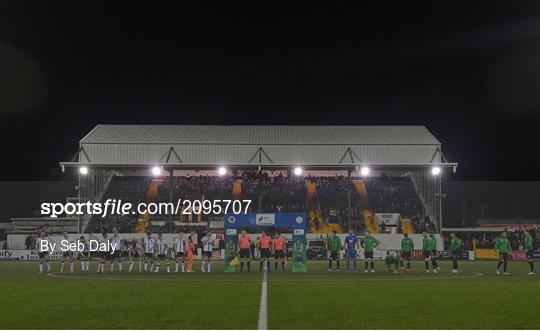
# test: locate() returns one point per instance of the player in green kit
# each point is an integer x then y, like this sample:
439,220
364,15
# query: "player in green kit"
369,244
433,249
391,260
407,246
426,251
528,244
455,246
334,246
502,245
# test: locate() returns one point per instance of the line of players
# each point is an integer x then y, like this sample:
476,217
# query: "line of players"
149,253
429,250
152,251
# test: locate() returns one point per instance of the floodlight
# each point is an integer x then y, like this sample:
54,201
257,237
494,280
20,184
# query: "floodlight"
222,171
364,171
83,170
156,171
298,171
435,171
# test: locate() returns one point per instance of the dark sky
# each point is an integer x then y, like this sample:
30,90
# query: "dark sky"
469,71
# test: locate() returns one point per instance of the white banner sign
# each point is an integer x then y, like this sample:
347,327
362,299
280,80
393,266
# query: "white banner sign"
387,218
23,254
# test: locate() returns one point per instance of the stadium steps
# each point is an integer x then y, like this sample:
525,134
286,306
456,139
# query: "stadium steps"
152,195
407,226
369,222
360,186
237,189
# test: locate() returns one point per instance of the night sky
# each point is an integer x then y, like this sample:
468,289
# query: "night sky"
468,71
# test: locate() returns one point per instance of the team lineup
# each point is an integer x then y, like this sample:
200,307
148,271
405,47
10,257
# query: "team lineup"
149,253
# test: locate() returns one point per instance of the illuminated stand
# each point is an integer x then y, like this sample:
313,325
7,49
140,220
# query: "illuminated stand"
235,223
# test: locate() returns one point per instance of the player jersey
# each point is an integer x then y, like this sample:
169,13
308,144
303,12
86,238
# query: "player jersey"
86,246
264,242
179,244
407,245
116,241
279,243
104,241
370,243
161,245
207,243
528,242
66,240
455,243
244,242
149,245
135,248
426,243
432,243
502,245
391,259
350,242
43,241
334,244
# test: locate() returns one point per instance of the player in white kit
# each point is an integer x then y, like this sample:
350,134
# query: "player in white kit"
43,247
135,250
67,255
179,249
84,255
116,241
104,255
208,246
149,250
161,245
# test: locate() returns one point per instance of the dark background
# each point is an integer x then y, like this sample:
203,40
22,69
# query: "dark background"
469,71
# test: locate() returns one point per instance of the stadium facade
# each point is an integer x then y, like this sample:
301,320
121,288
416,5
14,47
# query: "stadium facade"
108,150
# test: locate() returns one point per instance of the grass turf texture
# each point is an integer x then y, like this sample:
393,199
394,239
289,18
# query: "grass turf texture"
312,300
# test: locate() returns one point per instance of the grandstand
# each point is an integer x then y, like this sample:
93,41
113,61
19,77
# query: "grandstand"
341,176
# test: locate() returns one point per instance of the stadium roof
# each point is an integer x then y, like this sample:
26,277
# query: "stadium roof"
200,146
253,134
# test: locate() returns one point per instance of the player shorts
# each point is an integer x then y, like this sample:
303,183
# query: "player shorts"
279,254
105,255
149,255
67,254
162,256
135,256
208,254
368,255
244,253
43,254
530,255
334,255
427,254
455,254
265,253
351,254
406,255
179,255
503,256
83,255
115,254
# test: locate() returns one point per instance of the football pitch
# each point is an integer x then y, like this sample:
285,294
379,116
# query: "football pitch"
476,298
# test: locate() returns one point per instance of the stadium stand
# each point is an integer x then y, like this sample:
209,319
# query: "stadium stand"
325,199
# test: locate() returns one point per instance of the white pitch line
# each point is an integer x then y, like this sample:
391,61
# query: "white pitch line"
263,305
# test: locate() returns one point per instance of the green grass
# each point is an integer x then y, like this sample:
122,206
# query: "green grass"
314,300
